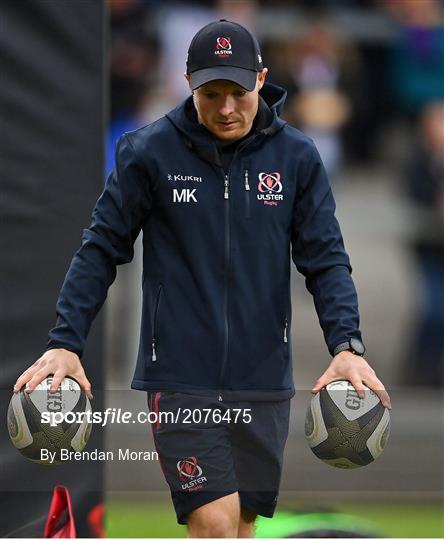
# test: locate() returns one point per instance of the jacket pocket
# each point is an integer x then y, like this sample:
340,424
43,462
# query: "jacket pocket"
155,321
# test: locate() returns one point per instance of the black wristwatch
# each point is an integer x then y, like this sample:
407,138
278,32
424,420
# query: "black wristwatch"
353,345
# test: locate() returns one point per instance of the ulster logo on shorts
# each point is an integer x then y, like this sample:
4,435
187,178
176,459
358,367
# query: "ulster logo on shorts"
270,188
190,474
188,469
223,47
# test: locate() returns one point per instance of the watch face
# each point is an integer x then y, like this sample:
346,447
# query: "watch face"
357,346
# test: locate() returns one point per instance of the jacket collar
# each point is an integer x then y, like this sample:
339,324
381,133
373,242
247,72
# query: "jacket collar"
200,140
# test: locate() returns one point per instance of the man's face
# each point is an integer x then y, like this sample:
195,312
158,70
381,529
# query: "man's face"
226,109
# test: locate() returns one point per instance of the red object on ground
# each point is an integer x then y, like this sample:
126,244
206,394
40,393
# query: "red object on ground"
60,522
95,521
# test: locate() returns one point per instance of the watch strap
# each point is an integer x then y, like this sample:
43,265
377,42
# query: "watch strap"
353,345
345,346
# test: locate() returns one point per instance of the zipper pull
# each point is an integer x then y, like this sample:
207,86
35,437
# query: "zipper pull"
226,187
285,332
247,185
153,345
220,398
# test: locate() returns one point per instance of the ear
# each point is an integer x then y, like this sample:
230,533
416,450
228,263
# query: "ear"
187,78
261,77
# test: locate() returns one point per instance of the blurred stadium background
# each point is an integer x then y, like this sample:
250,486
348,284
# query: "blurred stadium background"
365,79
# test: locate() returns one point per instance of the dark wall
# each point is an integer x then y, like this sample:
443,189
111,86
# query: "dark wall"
51,173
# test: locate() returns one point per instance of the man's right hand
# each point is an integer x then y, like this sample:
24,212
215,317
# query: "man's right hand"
59,363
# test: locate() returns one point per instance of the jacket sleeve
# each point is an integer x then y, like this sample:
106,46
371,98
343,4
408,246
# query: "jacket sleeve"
318,253
117,219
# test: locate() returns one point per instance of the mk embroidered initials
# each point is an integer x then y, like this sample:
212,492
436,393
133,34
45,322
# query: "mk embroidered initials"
184,195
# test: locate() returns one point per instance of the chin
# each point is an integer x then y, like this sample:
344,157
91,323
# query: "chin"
228,135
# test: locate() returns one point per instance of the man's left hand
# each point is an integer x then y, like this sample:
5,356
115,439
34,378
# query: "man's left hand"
353,368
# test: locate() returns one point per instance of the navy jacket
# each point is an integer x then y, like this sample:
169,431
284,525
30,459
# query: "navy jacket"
216,279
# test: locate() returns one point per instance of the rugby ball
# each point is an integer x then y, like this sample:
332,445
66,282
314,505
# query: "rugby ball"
30,434
343,430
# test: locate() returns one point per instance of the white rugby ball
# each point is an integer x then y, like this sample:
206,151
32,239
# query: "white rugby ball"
30,435
343,430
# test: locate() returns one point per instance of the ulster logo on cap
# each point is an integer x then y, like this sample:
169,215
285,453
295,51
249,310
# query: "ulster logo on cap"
223,47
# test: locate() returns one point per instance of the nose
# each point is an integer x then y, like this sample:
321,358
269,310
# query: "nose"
227,106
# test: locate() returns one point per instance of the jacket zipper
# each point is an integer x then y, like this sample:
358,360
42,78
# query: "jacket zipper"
247,194
155,314
227,269
285,331
227,263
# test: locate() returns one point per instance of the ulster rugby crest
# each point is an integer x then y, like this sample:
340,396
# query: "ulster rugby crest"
223,47
270,188
190,473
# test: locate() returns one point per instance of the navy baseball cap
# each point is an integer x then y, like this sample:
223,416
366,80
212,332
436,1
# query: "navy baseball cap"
224,50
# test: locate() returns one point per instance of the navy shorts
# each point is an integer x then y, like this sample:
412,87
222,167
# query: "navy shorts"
208,449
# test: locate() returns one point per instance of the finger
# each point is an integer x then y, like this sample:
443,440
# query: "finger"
25,377
37,378
385,398
379,389
358,386
319,384
328,377
58,377
85,384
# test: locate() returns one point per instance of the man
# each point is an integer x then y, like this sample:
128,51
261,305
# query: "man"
222,188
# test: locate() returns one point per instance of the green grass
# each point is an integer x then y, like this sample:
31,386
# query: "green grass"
142,520
414,520
136,518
